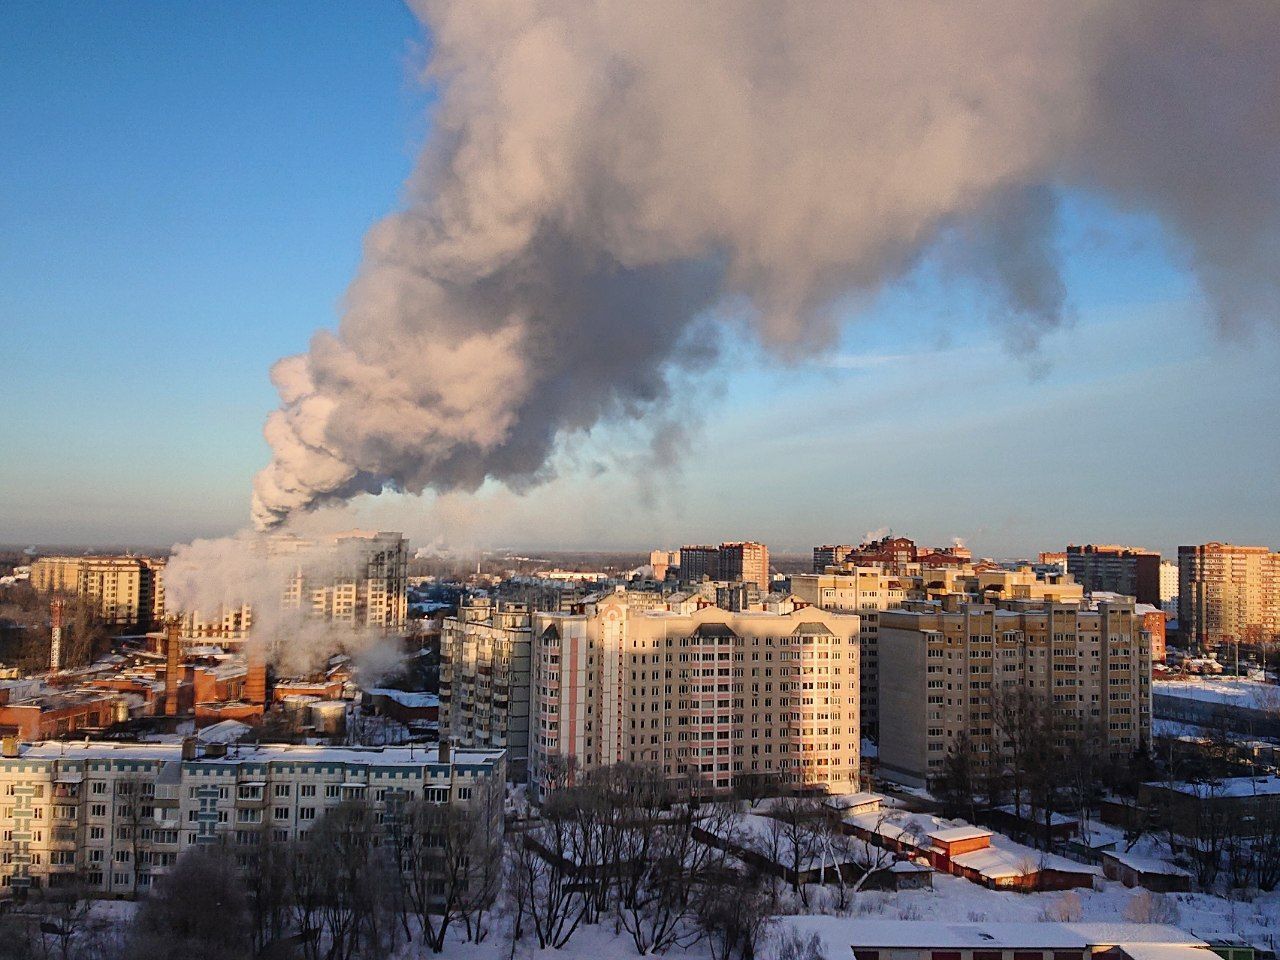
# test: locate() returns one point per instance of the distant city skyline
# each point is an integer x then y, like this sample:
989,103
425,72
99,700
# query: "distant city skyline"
187,199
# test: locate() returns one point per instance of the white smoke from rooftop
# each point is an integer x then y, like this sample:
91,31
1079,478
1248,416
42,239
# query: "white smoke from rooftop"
602,176
207,578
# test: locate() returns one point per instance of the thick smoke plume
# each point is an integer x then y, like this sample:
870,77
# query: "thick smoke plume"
601,175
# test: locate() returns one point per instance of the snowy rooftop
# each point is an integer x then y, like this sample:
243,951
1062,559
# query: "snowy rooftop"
256,753
1151,865
840,933
1057,819
406,698
957,834
852,801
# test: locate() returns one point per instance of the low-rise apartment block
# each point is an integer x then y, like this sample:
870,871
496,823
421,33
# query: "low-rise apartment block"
708,695
114,816
942,671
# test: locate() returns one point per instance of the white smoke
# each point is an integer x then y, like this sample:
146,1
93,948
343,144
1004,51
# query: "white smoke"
601,176
207,578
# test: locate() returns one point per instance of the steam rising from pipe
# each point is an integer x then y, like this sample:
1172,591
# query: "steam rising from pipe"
601,176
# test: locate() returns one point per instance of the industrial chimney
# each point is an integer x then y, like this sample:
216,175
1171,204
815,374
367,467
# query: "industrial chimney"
255,681
172,661
55,646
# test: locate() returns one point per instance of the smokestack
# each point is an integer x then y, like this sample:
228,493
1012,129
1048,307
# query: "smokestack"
172,664
442,753
55,646
255,683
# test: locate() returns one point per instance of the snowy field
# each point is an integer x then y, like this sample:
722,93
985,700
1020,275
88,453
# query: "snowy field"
1238,691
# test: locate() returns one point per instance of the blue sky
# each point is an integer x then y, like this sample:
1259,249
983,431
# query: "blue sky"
186,191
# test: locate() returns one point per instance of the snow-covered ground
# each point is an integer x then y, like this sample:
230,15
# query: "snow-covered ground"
951,900
1238,691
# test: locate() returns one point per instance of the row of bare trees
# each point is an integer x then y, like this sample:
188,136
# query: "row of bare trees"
1044,758
624,845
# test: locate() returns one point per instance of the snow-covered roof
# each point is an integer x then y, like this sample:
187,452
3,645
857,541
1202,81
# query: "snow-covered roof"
417,756
407,698
1151,865
840,933
1057,819
852,801
225,731
957,834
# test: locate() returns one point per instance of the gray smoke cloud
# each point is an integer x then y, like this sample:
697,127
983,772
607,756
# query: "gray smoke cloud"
603,176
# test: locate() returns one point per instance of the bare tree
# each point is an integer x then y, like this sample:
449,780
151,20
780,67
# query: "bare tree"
1147,907
542,882
197,912
664,886
733,914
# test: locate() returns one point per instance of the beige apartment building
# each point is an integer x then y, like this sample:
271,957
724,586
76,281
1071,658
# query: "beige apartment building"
867,592
124,591
485,679
709,695
940,670
1228,594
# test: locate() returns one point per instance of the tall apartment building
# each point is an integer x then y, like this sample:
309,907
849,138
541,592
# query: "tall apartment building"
1169,588
710,694
1108,568
485,679
830,555
699,561
124,591
662,561
867,592
940,669
357,578
114,816
1228,593
746,562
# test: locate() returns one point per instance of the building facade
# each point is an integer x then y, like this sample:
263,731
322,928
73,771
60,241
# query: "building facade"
699,562
1228,594
485,679
867,592
745,562
1107,568
115,816
942,671
123,591
709,696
